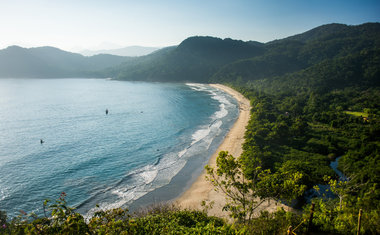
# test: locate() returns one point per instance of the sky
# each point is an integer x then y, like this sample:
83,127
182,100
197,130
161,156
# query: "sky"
75,25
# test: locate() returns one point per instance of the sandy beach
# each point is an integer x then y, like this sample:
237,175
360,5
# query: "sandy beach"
202,190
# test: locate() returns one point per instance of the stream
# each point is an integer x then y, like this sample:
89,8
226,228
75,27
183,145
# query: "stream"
324,189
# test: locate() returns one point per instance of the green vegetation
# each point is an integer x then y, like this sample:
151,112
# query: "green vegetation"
244,195
309,94
301,58
357,114
160,219
62,219
299,124
301,132
50,62
196,59
207,59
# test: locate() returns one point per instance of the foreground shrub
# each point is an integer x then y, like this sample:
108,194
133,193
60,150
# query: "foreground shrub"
330,217
167,219
274,223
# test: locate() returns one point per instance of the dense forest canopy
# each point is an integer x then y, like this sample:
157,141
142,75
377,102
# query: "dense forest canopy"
207,59
315,97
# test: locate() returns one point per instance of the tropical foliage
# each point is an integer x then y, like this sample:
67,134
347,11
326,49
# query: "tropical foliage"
314,97
244,195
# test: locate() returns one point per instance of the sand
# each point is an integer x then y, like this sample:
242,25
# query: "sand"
201,189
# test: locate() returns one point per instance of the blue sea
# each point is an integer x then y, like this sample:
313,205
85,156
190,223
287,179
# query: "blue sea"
149,148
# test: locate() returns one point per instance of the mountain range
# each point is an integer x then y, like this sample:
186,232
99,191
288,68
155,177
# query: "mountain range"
50,62
125,51
351,53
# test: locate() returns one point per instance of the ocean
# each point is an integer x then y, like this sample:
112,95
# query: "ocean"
55,136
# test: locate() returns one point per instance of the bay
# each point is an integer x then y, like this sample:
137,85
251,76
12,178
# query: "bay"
151,131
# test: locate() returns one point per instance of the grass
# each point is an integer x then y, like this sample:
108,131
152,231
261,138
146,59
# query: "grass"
357,114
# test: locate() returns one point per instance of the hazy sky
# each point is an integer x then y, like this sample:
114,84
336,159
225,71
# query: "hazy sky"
94,24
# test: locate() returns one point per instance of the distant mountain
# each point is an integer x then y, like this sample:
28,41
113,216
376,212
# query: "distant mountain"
329,48
195,59
208,59
334,31
50,62
125,51
326,47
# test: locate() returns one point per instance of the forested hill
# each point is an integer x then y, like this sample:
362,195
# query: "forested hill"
326,47
315,99
207,59
195,59
334,31
50,62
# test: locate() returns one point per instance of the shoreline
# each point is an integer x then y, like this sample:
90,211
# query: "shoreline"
191,194
201,189
193,168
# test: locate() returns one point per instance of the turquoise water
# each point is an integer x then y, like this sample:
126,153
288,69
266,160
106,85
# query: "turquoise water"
151,132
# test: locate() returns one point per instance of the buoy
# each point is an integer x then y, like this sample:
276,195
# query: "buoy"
42,141
106,111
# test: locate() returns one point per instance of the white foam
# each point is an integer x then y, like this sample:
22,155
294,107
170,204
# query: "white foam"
146,174
197,86
221,113
142,178
124,197
125,194
203,133
222,99
217,124
200,134
180,154
149,176
170,164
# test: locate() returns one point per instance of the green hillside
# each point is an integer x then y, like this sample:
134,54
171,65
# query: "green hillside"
315,98
208,59
50,62
195,59
303,90
293,54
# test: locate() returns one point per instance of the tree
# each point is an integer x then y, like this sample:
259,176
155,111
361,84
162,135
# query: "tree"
339,188
245,196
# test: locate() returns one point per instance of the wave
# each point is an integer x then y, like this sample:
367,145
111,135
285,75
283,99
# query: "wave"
198,86
150,177
140,182
223,103
220,97
200,134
